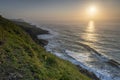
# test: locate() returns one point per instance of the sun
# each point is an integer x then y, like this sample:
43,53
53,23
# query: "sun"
92,11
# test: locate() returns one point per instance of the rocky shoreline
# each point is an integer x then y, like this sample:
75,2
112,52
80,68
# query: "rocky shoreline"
33,31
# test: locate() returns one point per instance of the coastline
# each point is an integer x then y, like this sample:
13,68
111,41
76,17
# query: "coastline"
33,31
25,59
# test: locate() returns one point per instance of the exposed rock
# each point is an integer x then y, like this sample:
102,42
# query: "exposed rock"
114,63
88,73
42,42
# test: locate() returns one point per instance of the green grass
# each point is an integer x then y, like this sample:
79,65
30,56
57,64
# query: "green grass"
22,59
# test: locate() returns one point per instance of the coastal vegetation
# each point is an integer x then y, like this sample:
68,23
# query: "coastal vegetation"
21,58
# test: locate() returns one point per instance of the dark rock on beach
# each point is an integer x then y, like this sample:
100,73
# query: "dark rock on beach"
88,73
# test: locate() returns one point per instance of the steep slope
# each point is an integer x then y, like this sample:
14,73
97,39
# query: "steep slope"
22,59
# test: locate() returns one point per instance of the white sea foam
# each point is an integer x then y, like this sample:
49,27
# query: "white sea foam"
45,36
103,74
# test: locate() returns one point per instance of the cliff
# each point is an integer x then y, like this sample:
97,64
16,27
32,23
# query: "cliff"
21,58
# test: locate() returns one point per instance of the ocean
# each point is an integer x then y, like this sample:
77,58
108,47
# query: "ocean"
94,46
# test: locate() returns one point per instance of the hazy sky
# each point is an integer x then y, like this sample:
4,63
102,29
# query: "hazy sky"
59,10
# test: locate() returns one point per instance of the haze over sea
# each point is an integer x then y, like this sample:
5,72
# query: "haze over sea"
91,45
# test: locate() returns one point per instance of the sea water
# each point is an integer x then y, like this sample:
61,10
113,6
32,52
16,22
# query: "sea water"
90,45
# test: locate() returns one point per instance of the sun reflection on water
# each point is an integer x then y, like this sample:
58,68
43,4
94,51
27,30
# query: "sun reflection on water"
91,26
90,36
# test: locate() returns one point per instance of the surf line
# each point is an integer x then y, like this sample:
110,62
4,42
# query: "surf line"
109,61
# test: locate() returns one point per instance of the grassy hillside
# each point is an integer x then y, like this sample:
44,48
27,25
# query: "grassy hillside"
22,59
